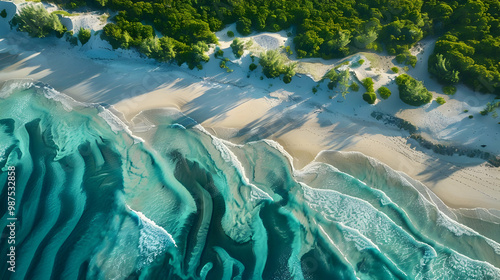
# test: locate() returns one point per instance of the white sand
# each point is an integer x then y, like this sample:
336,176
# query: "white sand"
239,106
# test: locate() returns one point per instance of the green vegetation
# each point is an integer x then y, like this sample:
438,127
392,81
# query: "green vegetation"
384,92
466,111
368,84
354,86
449,90
314,90
223,65
288,50
252,66
3,13
35,20
230,34
440,100
339,78
490,107
395,69
361,61
273,65
84,35
469,47
218,53
471,116
237,47
411,91
369,97
64,13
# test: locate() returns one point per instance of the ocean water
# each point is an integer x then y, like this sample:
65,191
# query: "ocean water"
96,201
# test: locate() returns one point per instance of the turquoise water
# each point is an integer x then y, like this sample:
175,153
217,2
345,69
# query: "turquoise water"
95,202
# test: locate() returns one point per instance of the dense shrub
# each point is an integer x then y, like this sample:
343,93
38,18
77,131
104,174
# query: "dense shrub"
440,100
238,47
230,34
84,35
368,84
384,92
35,20
369,97
252,66
411,91
395,69
449,90
354,86
273,65
3,13
218,53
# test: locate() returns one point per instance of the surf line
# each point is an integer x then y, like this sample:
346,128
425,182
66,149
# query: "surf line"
11,210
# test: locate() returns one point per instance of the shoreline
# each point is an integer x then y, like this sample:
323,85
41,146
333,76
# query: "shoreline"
239,109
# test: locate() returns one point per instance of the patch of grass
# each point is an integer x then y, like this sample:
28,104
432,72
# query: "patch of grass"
103,18
440,100
449,90
341,64
63,13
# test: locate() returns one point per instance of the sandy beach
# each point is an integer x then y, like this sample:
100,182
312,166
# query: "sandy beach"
240,106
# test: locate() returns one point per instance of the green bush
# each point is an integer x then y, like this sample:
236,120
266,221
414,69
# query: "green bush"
369,97
471,116
384,92
490,107
38,22
368,84
3,13
237,47
230,34
84,35
252,66
218,53
412,60
361,61
440,100
411,91
449,90
395,69
354,86
273,65
314,90
401,58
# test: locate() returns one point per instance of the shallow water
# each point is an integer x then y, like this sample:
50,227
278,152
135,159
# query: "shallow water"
94,201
